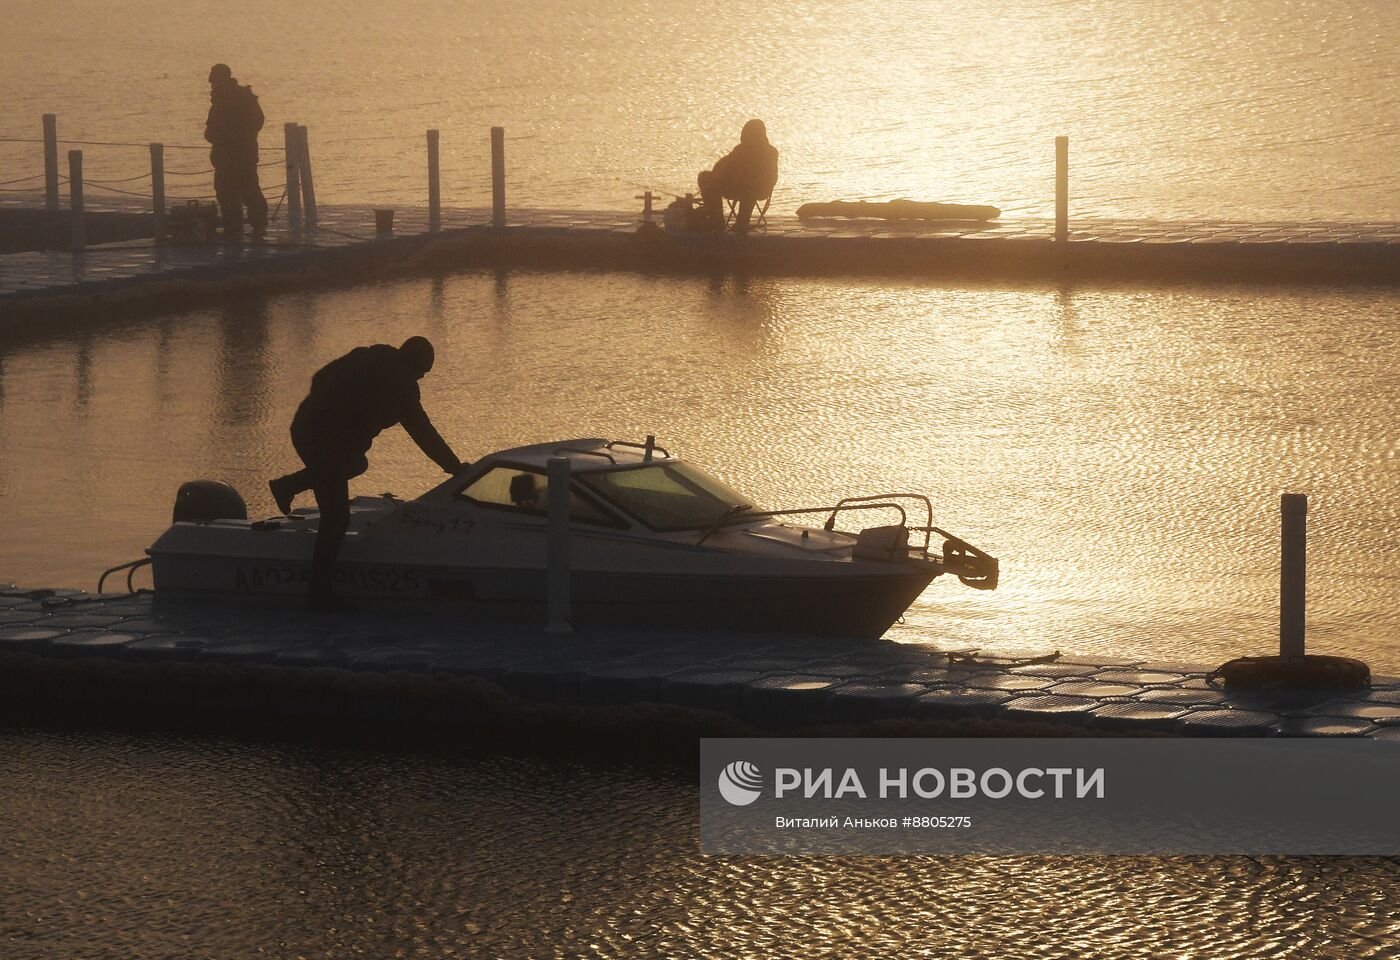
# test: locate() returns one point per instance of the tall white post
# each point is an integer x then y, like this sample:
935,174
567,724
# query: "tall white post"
558,572
75,199
158,188
1062,188
1293,565
50,161
308,186
434,185
289,141
498,176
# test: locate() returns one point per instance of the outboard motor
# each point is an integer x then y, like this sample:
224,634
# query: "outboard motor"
205,500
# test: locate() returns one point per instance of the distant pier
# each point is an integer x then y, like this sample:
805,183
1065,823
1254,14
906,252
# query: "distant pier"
35,283
317,244
344,249
67,650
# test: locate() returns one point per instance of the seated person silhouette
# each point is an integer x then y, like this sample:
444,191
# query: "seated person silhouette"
352,399
746,174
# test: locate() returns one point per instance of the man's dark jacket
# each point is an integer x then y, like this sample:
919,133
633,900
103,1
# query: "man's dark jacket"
357,396
749,171
235,117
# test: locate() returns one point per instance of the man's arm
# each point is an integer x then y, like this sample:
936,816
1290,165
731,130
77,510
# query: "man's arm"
255,114
421,429
724,164
770,170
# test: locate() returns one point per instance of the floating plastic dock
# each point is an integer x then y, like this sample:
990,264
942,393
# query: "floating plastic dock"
343,249
779,683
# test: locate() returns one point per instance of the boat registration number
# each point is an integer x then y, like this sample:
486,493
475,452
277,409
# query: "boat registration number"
252,578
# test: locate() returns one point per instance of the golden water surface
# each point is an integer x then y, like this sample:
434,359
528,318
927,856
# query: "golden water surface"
1253,109
1122,452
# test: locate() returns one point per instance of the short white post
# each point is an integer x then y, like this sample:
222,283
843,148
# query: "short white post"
293,194
308,186
1062,188
498,176
558,572
50,161
434,185
158,188
646,206
75,199
1293,566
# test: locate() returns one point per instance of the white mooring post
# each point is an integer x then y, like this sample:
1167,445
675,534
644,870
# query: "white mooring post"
498,176
158,188
75,199
308,186
50,161
1293,567
293,194
558,572
1062,188
434,185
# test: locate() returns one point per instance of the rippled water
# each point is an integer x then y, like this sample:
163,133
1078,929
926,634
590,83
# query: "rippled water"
1122,452
138,846
1255,109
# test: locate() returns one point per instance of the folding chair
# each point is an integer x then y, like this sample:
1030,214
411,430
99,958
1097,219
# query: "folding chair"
758,220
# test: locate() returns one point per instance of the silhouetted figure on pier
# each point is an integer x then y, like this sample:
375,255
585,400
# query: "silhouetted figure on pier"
746,174
232,130
352,399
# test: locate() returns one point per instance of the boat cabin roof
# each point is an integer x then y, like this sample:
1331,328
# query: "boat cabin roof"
585,455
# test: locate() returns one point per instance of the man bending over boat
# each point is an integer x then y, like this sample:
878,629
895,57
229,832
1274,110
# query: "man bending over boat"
747,174
352,399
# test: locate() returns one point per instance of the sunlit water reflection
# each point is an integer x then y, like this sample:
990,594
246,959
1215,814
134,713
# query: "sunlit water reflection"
120,846
1122,452
1253,109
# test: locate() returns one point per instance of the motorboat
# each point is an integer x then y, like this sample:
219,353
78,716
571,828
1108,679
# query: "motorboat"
650,539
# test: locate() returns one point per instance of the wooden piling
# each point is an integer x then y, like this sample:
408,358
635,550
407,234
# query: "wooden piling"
434,185
1062,188
557,575
498,176
158,188
1293,564
75,199
308,186
50,161
293,194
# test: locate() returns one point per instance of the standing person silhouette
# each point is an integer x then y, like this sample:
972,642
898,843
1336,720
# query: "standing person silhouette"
352,399
747,174
235,118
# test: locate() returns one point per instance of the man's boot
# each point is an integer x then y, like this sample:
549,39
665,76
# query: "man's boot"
284,491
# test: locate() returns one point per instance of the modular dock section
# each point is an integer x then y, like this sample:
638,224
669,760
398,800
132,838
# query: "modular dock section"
761,682
343,248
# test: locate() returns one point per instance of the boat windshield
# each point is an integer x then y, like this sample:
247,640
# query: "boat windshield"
667,496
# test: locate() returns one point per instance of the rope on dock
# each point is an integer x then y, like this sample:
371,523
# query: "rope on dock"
6,183
98,183
115,143
127,193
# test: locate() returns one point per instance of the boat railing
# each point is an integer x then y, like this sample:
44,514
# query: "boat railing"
926,529
647,448
733,515
588,453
